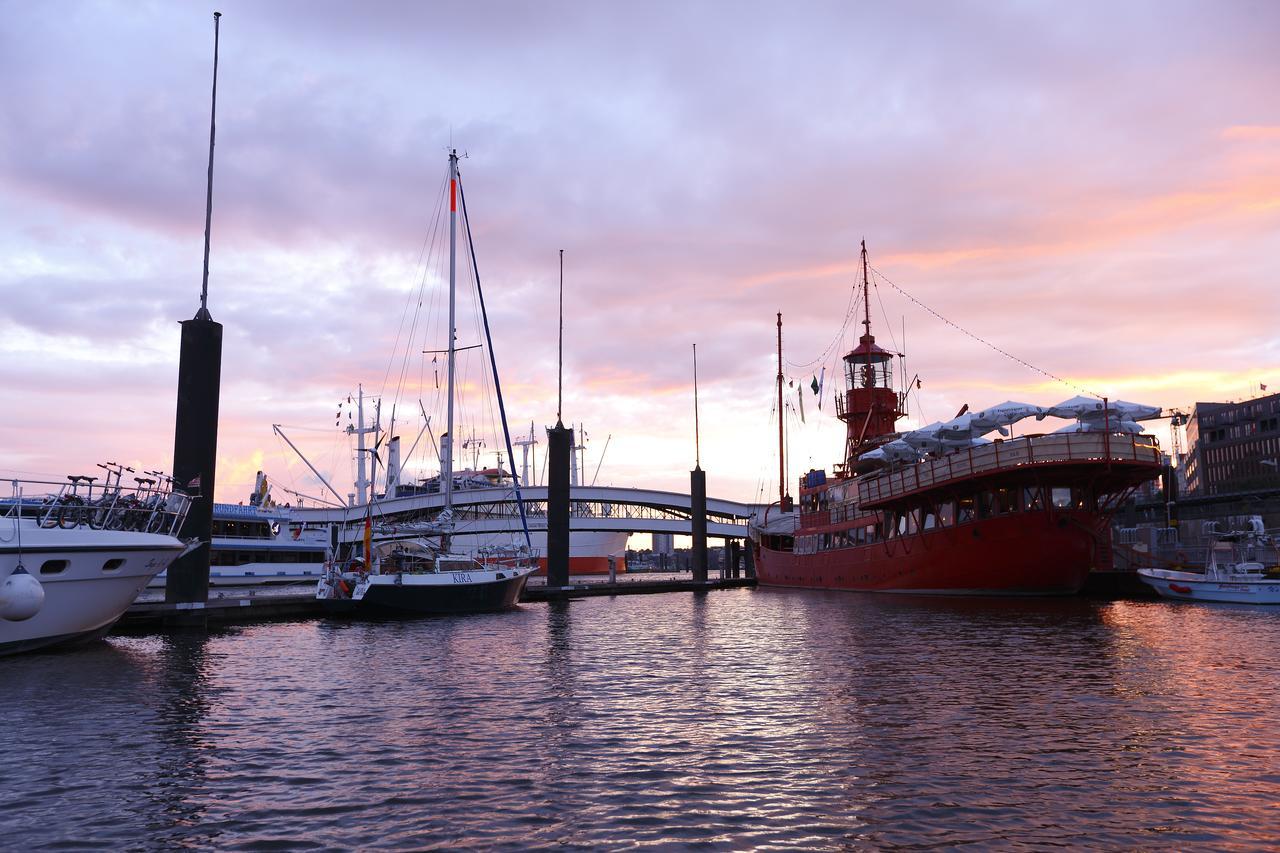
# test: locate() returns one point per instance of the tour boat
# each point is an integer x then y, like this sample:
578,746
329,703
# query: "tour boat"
262,544
436,579
70,567
940,509
1235,571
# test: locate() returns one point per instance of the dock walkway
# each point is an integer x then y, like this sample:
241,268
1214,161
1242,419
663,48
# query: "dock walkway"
228,605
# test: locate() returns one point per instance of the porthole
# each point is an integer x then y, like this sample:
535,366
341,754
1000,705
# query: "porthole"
113,565
53,567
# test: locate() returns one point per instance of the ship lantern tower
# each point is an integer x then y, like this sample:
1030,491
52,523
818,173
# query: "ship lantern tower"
869,406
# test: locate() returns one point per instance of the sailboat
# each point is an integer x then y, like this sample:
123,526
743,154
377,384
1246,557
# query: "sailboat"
411,574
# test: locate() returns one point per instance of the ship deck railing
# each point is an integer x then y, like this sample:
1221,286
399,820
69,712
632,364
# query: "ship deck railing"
1008,455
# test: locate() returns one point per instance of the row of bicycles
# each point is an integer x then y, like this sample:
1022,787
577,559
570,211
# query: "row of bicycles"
150,506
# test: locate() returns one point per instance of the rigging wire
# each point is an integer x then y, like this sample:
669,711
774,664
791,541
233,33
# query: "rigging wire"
427,238
851,312
983,341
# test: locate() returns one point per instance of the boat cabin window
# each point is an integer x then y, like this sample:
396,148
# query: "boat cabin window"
53,567
947,513
930,520
457,566
1033,498
1007,501
964,510
113,565
1061,497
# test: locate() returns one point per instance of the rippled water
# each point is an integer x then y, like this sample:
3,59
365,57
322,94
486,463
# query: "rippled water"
730,720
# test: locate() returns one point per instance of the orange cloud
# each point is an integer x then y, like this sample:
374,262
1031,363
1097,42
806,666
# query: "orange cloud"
1253,132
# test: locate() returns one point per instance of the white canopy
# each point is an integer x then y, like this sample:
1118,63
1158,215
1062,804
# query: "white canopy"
1091,409
1126,427
897,450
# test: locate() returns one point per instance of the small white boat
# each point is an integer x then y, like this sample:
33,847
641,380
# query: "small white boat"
1233,571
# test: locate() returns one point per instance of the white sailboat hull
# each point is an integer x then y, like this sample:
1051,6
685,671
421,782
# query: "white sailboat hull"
480,591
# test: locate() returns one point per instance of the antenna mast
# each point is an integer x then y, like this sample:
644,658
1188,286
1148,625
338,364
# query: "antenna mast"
203,313
560,351
697,447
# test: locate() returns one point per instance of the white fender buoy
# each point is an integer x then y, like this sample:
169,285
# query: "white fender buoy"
21,596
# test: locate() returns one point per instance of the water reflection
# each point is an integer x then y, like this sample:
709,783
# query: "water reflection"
173,793
729,720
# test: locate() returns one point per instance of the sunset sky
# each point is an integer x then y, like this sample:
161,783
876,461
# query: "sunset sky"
1092,187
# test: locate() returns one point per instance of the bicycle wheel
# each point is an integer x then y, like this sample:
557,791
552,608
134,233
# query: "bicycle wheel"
157,521
98,515
70,514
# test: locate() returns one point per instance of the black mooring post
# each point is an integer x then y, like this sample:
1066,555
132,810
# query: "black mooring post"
698,511
733,555
559,442
195,449
195,433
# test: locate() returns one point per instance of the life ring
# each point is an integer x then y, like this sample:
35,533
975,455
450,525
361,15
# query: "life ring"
1179,588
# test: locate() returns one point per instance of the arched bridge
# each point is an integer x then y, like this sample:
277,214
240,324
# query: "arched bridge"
591,508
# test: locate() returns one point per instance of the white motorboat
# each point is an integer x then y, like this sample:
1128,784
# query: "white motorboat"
1240,569
71,565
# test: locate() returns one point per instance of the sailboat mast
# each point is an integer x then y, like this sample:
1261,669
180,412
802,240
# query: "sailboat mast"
362,484
782,463
446,440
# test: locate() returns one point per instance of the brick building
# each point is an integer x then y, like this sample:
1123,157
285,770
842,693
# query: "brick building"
1233,447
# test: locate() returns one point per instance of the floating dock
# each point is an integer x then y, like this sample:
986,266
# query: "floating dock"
230,605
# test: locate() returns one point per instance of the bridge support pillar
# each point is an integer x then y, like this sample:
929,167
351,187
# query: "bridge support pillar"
698,517
559,442
733,557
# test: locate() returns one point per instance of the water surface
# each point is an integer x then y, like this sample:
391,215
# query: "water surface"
730,720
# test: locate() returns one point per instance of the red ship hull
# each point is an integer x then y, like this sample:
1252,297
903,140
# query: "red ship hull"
1027,554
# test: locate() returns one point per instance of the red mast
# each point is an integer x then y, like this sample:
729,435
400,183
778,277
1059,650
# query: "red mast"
869,406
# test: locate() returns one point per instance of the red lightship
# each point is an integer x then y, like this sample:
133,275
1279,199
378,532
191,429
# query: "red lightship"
940,510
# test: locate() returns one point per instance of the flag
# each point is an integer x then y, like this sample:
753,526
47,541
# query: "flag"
1263,387
822,382
800,397
814,384
368,539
